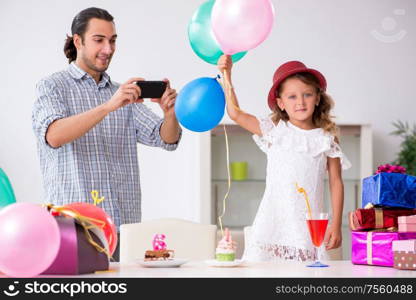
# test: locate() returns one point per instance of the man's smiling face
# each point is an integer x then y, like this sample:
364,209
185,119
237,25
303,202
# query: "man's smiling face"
96,48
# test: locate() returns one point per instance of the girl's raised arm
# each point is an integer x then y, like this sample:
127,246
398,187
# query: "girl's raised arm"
245,120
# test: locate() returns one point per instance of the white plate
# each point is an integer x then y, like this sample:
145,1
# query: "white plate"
216,263
169,263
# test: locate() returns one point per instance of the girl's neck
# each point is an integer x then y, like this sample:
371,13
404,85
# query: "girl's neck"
306,125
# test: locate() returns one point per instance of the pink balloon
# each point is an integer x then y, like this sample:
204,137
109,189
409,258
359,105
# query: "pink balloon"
241,25
29,240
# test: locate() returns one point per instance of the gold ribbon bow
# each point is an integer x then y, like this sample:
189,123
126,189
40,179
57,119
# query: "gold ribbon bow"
94,196
86,222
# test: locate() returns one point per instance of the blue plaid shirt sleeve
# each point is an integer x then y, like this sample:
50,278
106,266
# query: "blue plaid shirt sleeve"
47,108
147,125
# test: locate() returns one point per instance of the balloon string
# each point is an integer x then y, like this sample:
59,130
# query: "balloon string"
227,88
229,180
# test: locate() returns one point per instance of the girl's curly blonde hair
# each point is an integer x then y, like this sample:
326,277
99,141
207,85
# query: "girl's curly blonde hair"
321,116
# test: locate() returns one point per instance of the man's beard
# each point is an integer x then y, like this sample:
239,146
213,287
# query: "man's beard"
93,67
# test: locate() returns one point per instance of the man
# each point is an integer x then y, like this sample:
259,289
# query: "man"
88,126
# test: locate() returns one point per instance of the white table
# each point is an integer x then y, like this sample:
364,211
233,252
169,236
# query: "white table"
339,269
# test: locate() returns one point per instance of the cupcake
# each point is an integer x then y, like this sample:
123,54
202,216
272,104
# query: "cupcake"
226,248
160,251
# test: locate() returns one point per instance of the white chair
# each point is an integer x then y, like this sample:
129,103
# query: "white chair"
190,240
334,254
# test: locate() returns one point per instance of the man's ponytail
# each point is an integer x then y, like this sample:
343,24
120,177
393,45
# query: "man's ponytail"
69,49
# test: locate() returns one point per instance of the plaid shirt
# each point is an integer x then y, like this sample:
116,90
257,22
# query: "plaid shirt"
105,158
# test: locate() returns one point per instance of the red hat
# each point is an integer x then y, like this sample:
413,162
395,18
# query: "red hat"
287,69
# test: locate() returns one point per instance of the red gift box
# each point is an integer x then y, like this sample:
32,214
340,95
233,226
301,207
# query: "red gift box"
377,218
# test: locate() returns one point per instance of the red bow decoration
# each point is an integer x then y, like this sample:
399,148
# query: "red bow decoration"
391,169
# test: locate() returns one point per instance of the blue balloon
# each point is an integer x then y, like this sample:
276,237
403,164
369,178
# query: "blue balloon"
200,104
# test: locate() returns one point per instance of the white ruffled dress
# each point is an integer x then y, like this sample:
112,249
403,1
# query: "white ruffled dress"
294,155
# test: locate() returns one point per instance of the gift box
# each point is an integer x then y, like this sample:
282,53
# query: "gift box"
377,218
390,189
77,255
376,248
404,254
407,223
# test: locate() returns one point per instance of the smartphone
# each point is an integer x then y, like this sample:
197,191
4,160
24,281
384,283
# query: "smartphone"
152,89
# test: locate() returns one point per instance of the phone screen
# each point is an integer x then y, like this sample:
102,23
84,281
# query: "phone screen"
152,89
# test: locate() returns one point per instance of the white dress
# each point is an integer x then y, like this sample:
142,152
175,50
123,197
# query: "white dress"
294,155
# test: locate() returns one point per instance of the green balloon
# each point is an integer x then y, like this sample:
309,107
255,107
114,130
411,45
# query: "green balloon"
202,38
6,190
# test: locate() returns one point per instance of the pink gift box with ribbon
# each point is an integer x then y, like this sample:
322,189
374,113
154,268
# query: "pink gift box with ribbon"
407,223
376,248
404,245
404,254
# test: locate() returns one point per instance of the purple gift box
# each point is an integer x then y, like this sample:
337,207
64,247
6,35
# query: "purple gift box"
76,255
376,248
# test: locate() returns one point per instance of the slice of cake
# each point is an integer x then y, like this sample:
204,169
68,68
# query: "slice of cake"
160,251
158,254
226,248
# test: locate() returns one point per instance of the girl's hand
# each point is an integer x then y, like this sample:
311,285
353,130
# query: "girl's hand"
245,120
225,63
333,238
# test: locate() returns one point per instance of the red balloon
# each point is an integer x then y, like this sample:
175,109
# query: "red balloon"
95,212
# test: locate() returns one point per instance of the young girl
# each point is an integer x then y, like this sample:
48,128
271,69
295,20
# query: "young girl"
301,144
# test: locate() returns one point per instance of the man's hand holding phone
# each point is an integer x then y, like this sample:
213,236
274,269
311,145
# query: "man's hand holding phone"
129,92
135,89
167,101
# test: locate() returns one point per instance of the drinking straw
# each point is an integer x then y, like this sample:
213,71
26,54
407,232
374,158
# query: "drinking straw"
305,194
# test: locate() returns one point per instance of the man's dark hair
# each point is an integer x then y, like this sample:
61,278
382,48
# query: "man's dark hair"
79,26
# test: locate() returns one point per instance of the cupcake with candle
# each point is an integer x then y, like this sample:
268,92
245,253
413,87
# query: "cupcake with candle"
226,248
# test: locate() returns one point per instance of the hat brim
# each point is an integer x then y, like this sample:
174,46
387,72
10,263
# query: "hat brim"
272,93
